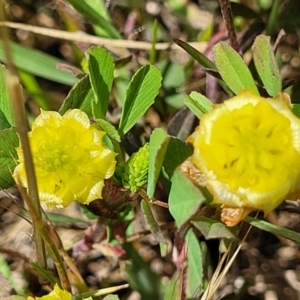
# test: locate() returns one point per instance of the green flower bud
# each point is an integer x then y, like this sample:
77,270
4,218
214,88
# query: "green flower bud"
136,169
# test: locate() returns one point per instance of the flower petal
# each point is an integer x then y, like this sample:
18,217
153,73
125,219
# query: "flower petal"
70,158
248,148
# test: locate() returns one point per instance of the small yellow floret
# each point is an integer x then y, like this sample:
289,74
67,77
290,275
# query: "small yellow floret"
248,148
70,159
56,294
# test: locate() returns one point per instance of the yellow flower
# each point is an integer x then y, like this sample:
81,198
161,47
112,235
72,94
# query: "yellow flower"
248,148
56,294
70,159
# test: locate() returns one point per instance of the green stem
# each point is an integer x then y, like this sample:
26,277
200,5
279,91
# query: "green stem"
152,58
271,26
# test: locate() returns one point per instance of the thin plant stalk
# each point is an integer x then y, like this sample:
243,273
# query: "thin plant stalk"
152,58
228,19
50,240
22,129
273,18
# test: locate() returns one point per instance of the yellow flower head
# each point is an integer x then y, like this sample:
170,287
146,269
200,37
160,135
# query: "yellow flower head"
248,148
56,294
70,159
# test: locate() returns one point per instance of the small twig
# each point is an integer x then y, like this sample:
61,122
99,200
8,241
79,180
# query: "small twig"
82,37
154,201
14,254
58,244
228,19
281,35
135,236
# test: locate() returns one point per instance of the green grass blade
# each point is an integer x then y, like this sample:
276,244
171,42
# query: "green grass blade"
38,64
95,18
203,61
198,56
286,233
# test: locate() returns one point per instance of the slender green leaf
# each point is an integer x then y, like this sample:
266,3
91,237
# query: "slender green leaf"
101,68
158,144
233,69
198,56
198,104
272,24
95,18
195,265
38,63
5,102
266,66
154,227
185,198
44,273
100,7
110,129
212,229
8,155
286,233
80,96
140,95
